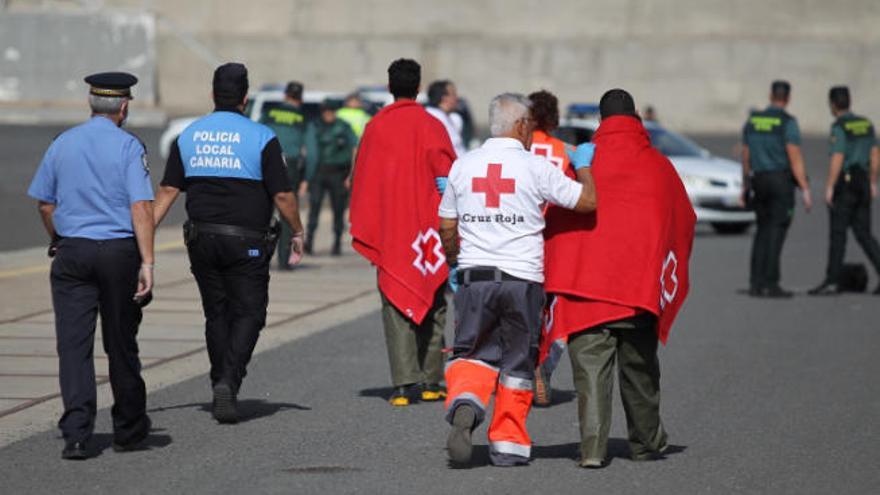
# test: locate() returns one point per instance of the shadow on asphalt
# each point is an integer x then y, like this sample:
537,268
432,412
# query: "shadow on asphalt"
378,392
102,441
618,448
248,409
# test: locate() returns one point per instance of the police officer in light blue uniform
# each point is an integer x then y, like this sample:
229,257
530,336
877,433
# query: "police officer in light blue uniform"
234,174
95,199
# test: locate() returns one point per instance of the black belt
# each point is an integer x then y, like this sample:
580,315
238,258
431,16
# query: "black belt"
230,230
486,275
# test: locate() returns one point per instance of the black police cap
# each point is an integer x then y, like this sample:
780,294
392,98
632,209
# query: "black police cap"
231,81
115,84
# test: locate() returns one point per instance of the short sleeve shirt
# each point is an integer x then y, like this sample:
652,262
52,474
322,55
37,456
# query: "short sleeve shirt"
93,173
854,137
767,133
230,167
497,193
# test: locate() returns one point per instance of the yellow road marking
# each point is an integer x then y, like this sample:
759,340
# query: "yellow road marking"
32,269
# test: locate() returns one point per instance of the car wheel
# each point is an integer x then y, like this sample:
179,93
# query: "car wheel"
731,228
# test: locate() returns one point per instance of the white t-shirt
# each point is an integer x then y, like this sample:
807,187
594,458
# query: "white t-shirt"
497,192
453,128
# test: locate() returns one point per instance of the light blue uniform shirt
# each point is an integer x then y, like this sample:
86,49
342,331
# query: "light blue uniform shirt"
93,173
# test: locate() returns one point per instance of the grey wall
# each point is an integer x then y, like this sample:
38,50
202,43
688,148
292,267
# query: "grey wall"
701,63
45,55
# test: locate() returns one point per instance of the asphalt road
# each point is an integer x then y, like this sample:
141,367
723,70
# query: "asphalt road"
759,396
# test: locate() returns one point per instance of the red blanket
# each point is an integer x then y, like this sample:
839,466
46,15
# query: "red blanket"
394,202
631,254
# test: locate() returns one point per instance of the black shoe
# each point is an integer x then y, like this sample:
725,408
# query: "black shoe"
337,248
825,289
754,292
307,246
459,444
225,409
75,451
776,292
135,442
877,290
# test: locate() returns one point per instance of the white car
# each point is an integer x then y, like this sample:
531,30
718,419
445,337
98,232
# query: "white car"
714,184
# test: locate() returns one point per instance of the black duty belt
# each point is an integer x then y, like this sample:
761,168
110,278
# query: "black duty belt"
486,275
230,230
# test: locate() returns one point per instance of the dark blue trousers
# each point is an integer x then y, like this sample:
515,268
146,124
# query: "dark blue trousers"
89,277
233,278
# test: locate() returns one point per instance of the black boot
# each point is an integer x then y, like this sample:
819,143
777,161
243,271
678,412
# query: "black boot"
337,247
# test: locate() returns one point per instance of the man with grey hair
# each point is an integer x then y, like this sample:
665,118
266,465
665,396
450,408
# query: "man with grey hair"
493,209
96,202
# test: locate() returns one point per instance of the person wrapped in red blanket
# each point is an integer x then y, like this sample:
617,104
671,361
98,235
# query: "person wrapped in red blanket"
403,159
619,277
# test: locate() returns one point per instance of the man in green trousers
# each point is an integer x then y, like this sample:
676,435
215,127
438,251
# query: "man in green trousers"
336,145
619,301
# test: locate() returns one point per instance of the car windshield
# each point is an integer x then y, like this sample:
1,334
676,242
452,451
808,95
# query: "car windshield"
672,144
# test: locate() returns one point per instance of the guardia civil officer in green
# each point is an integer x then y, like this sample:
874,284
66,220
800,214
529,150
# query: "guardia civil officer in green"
296,134
851,186
772,167
336,145
234,175
95,200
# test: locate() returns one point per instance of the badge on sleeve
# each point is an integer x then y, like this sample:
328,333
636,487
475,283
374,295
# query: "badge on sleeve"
144,161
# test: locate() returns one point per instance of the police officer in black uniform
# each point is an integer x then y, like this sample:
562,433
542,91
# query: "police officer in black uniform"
852,184
95,199
233,172
772,166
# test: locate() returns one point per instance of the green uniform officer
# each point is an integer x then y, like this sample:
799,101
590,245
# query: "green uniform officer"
297,137
336,146
772,166
852,184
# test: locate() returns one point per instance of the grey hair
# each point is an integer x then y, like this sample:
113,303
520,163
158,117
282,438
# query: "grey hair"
107,105
505,110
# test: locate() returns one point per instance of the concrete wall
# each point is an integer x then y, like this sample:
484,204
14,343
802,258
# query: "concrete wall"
701,63
45,55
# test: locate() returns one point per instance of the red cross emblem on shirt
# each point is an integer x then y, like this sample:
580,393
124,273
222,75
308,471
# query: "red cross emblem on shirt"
546,151
493,185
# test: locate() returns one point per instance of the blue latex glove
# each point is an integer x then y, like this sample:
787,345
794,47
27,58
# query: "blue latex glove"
582,156
453,278
441,184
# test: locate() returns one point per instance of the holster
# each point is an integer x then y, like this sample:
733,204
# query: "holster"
190,232
272,235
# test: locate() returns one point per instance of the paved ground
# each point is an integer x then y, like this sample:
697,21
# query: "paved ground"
759,397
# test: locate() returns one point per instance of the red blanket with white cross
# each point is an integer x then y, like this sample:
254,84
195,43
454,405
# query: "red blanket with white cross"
394,202
631,254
